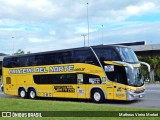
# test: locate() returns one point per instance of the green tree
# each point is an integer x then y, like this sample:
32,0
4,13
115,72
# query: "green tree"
19,52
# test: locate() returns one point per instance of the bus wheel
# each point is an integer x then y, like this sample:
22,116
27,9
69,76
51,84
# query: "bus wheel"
32,94
22,93
98,96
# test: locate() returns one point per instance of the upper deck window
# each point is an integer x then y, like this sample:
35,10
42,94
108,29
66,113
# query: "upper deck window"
107,54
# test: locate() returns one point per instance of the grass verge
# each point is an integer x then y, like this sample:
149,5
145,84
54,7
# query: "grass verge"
12,104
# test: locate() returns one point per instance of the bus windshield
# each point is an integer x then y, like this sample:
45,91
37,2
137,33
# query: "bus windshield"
135,79
127,55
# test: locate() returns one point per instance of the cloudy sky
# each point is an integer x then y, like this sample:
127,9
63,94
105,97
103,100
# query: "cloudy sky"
44,25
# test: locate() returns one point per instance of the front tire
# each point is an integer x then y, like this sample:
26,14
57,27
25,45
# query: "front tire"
32,94
22,93
98,96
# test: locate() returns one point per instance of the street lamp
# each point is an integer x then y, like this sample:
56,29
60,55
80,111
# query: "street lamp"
84,38
13,45
88,23
102,34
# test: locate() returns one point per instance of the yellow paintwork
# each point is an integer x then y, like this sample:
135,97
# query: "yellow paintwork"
113,63
24,78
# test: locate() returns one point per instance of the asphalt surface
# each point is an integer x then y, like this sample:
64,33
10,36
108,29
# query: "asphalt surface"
151,99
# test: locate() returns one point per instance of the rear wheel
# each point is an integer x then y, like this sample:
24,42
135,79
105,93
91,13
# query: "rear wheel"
98,96
22,93
32,94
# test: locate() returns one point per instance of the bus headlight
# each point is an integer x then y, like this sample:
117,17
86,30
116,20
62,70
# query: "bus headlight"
131,91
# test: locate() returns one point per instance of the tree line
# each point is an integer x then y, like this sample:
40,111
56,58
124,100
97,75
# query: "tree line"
154,62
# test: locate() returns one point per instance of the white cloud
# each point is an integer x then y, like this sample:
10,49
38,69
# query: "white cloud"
60,24
132,10
11,29
81,30
140,9
38,40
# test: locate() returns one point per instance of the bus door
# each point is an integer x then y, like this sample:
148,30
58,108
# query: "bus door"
117,81
119,91
110,93
81,87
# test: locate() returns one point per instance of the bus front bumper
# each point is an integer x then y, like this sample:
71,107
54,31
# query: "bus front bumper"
133,96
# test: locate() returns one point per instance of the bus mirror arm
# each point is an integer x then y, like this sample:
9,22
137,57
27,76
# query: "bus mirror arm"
146,64
126,64
149,70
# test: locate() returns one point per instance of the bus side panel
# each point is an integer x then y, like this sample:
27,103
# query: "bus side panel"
70,91
45,90
9,83
24,80
58,90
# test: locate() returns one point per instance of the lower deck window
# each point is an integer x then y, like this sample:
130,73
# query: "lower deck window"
67,79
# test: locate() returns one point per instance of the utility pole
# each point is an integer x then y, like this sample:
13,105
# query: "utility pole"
84,38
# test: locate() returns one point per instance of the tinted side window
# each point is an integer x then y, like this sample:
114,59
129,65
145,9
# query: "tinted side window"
118,75
91,79
107,54
39,60
23,61
55,79
85,56
50,58
6,62
58,58
10,62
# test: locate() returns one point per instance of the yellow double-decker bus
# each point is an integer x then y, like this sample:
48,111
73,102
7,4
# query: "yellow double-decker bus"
97,72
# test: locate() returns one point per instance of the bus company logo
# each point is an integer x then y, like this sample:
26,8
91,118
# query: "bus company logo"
119,89
81,91
119,95
79,69
68,68
6,114
21,114
68,89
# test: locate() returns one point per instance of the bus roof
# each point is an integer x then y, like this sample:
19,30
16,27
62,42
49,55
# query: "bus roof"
65,50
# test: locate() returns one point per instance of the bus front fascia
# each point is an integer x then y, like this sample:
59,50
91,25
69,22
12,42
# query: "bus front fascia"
130,93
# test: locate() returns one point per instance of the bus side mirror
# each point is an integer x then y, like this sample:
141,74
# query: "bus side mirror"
148,66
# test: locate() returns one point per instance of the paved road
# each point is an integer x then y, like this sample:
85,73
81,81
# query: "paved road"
151,100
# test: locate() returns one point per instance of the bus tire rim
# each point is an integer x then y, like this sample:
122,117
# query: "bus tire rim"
22,93
97,96
32,94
